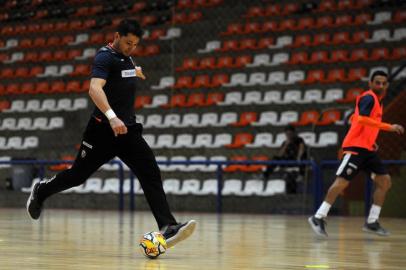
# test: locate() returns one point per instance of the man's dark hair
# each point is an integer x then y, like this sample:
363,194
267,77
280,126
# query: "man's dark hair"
378,73
130,26
290,128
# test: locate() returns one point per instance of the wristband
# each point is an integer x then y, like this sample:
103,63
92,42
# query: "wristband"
110,114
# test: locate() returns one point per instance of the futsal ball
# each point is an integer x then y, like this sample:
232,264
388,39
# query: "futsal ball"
153,244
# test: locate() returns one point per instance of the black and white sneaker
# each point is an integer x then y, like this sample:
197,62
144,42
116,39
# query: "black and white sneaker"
34,207
375,228
318,226
179,232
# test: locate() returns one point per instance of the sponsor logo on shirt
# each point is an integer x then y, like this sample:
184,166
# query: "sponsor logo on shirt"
128,73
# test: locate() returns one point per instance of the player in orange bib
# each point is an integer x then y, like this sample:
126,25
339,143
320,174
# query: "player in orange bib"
359,150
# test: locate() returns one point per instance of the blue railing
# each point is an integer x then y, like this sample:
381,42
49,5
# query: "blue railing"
317,184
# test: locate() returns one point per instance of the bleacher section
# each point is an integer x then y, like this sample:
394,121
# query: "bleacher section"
224,77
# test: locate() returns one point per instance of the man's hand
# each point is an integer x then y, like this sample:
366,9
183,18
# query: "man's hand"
138,72
117,126
398,129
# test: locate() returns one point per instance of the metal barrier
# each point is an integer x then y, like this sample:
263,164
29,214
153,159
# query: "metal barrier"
368,181
317,184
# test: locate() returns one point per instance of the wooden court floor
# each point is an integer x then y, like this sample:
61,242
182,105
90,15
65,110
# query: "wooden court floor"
75,239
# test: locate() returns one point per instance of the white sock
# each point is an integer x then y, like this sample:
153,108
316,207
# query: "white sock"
323,210
374,213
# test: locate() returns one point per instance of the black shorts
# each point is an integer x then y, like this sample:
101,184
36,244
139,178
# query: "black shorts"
356,159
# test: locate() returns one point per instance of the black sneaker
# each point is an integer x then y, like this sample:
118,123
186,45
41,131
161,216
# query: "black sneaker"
34,207
375,228
179,232
318,226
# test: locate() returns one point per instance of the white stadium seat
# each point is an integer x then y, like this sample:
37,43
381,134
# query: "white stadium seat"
231,187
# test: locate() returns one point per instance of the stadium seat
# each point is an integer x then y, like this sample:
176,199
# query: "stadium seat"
211,46
208,119
153,121
329,117
231,187
332,95
188,64
321,39
398,53
231,98
307,118
379,36
252,97
164,82
291,96
327,138
266,118
274,187
312,95
171,186
261,140
260,60
252,187
287,117
189,120
351,95
221,140
379,54
240,140
338,56
226,119
195,100
302,41
157,101
178,100
189,186
164,141
171,120
202,140
142,101
209,187
314,76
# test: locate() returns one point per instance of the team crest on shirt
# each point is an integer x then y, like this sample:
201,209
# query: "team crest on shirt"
349,171
83,154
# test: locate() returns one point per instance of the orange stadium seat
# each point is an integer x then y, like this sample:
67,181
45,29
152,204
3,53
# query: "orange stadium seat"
31,56
346,4
246,118
184,4
321,39
4,104
45,56
156,34
60,55
325,22
22,72
54,41
96,38
290,8
248,44
318,57
356,74
42,88
138,6
141,101
81,70
252,27
360,36
398,53
148,20
236,167
305,23
183,82
361,19
73,87
302,41
201,81
72,54
229,45
12,89
195,16
214,98
36,70
178,100
338,56
233,29
57,87
359,55
314,76
273,10
28,88
61,26
254,12
47,27
67,39
240,140
257,168
151,50
327,5
307,118
269,26
39,42
379,54
298,58
195,100
350,95
7,73
400,16
242,61
335,75
225,62
188,64
329,117
343,20
207,63
218,80
287,25
265,43
89,23
85,86
25,43
341,38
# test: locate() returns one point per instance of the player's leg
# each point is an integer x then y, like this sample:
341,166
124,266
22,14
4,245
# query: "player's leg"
138,156
348,169
382,184
95,150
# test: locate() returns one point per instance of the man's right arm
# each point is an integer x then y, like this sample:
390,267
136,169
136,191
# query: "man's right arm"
99,98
